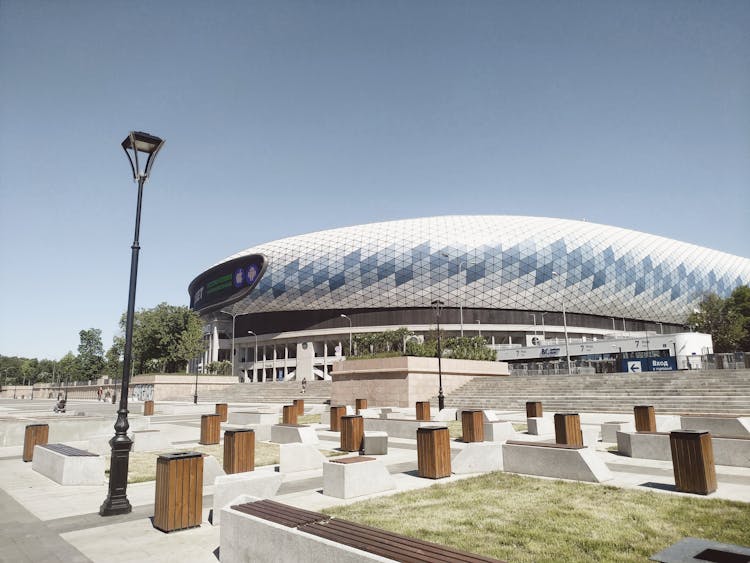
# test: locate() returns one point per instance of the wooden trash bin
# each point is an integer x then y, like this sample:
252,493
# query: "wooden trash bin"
433,452
289,416
472,423
179,491
360,404
645,419
568,429
693,461
210,429
300,404
35,435
336,414
239,451
222,409
534,409
423,410
352,432
148,408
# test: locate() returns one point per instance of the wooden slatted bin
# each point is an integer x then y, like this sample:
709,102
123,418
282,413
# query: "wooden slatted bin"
645,419
472,423
433,452
300,404
35,435
222,409
534,409
568,429
336,414
693,461
179,491
239,451
423,410
360,404
289,415
210,429
148,408
352,432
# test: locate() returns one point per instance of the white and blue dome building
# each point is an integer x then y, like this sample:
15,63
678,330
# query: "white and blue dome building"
508,278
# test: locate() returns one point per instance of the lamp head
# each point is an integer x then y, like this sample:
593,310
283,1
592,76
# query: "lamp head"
138,142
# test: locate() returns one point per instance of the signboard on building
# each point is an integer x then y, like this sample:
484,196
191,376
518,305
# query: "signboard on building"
226,283
649,364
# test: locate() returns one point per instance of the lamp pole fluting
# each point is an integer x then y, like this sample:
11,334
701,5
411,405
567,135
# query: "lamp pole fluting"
350,333
117,500
438,305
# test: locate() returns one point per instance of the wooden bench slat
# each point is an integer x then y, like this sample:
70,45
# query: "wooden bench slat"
389,544
348,460
68,450
544,445
280,513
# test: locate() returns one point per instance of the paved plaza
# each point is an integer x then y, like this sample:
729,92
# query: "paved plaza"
44,521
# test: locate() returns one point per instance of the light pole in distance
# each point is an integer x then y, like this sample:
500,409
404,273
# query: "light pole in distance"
135,144
350,333
234,317
438,306
565,323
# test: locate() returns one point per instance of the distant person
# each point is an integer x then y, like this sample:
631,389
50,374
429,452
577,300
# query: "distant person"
304,385
99,393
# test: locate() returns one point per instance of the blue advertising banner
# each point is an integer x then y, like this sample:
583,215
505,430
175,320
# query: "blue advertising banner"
639,365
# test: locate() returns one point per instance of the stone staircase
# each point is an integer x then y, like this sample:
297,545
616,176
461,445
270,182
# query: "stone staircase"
271,392
710,391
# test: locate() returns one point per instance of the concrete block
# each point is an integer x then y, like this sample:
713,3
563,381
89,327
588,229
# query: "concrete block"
667,422
590,435
257,484
478,457
498,431
370,413
718,426
727,451
211,470
247,538
375,443
610,429
491,416
68,470
559,463
149,441
283,434
253,417
400,428
299,457
444,415
349,480
540,426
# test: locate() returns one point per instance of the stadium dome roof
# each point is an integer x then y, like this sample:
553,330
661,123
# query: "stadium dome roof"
492,262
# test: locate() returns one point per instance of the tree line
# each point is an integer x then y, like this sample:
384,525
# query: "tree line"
165,339
726,320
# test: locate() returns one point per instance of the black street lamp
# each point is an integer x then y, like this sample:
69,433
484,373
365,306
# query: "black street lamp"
117,500
438,306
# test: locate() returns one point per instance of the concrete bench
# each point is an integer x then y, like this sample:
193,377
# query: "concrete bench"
67,465
728,450
717,425
299,457
358,476
498,431
375,443
396,427
258,484
292,433
269,531
253,417
540,426
149,441
478,457
611,428
559,461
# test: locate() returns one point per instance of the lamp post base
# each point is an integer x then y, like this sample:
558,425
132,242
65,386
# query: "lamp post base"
117,501
195,399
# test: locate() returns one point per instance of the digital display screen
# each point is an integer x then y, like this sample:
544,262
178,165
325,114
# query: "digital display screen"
226,283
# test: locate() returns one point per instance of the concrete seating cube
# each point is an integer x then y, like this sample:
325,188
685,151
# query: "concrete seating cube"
718,425
540,426
68,466
610,430
149,441
355,477
559,461
478,457
498,431
291,433
258,484
253,417
299,457
375,443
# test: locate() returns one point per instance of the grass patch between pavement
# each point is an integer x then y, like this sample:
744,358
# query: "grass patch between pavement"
523,519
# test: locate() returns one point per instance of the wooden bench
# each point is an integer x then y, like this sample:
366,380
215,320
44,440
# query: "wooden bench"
395,547
67,465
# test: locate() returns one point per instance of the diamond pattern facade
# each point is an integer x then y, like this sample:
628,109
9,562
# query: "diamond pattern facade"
492,262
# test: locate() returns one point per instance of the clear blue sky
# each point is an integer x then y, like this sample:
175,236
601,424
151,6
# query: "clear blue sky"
288,117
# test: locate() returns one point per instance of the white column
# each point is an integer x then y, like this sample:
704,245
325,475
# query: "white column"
275,357
263,373
286,361
215,344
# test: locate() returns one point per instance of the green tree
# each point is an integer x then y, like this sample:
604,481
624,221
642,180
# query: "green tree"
90,353
165,338
739,302
113,357
717,317
68,368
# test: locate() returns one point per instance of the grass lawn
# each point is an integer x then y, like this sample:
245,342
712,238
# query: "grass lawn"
456,430
524,519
